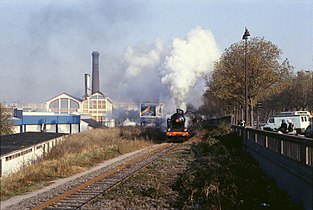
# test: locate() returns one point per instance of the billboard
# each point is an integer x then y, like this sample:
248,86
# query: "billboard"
151,110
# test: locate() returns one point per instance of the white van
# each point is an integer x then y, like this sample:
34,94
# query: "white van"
301,120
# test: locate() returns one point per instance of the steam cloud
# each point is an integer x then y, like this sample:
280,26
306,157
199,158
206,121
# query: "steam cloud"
141,78
139,61
171,76
189,61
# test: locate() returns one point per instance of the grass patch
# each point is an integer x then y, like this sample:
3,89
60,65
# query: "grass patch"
75,154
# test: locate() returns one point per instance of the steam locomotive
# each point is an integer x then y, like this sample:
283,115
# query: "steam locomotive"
176,126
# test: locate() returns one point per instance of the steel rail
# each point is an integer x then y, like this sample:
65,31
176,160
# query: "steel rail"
101,177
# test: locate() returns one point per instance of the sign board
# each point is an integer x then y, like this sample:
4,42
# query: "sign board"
151,110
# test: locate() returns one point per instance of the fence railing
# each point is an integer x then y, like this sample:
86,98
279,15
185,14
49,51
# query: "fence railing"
286,158
295,147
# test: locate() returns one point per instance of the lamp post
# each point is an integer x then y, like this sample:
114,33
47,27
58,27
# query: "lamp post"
311,97
245,37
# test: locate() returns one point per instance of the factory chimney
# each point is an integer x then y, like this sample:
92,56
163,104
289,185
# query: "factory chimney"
95,72
87,86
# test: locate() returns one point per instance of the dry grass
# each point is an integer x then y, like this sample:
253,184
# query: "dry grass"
76,154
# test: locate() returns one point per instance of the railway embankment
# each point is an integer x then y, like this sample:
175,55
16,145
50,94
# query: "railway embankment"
211,171
77,153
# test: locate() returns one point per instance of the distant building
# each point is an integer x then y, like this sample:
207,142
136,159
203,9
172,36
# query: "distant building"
64,104
99,107
33,107
128,122
45,122
95,105
126,106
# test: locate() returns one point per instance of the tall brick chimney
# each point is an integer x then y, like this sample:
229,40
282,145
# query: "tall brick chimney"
95,72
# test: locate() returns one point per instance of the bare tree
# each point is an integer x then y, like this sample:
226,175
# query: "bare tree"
296,95
266,75
5,121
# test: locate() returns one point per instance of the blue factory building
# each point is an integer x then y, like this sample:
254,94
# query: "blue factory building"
45,122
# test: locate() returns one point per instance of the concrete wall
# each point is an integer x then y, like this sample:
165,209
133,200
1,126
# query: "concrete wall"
288,159
18,159
84,126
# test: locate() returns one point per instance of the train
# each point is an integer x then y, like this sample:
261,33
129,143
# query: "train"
177,127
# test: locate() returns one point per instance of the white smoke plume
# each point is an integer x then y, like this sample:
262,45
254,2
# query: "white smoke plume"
140,82
188,62
139,61
172,76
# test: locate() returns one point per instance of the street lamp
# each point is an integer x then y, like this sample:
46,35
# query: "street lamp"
245,37
311,97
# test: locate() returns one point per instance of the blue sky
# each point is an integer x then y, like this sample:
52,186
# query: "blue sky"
46,45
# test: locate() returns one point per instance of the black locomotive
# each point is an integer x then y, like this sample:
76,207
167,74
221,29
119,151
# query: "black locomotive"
176,126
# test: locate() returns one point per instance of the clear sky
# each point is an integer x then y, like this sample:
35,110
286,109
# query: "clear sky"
46,45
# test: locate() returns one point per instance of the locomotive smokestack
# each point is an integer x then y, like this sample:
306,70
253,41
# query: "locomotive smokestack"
87,85
95,72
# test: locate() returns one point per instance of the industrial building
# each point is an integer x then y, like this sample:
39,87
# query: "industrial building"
97,106
45,122
69,114
19,150
95,103
37,132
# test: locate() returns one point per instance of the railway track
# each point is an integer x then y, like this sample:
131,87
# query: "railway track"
77,197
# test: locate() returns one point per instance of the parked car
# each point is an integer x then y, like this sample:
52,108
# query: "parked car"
309,131
301,120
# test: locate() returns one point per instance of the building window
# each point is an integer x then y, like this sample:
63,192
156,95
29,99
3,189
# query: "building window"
93,97
101,104
73,104
92,104
54,104
64,103
100,97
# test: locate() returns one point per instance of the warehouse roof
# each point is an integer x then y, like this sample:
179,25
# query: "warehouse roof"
92,123
13,142
66,94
